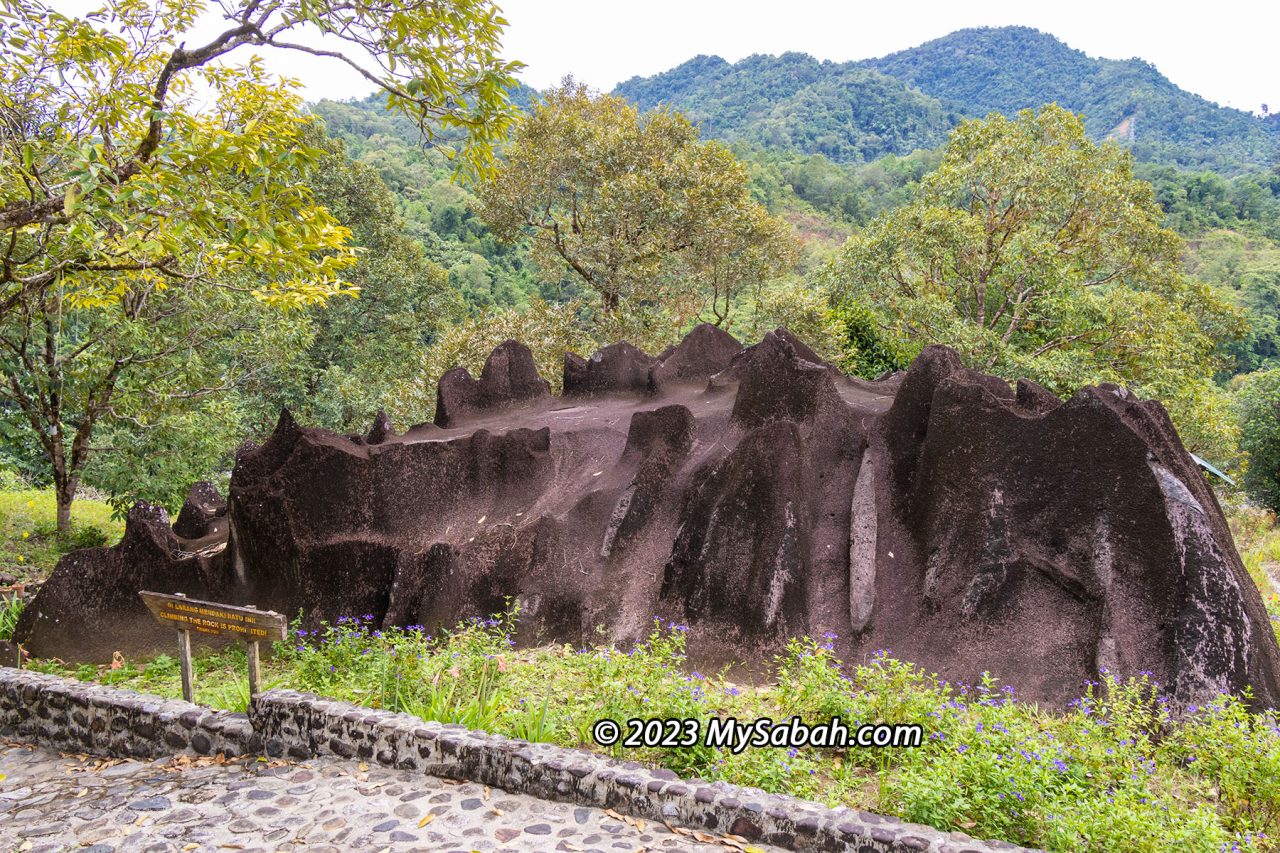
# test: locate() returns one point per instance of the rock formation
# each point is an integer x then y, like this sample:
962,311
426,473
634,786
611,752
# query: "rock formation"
753,494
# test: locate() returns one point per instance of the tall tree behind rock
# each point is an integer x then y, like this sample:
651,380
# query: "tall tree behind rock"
642,212
1036,253
144,179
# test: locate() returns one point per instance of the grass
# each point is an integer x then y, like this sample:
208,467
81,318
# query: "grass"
30,545
1113,772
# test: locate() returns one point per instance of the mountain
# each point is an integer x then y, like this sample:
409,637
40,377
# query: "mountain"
857,111
1005,69
796,102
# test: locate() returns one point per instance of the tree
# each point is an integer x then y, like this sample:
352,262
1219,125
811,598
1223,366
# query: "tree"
360,352
134,367
1035,252
153,197
1258,406
634,205
109,168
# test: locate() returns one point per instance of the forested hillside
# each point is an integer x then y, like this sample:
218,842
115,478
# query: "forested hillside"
1005,69
861,110
794,102
774,112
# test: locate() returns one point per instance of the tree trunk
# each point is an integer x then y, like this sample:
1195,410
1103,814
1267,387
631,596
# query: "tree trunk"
65,492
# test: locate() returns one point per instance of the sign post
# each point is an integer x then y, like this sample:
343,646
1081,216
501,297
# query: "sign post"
216,620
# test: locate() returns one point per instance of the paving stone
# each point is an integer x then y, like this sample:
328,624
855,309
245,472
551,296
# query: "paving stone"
150,804
314,805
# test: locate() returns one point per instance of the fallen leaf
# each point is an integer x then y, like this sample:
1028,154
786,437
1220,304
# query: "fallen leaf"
191,846
611,813
364,767
704,837
495,811
485,795
426,820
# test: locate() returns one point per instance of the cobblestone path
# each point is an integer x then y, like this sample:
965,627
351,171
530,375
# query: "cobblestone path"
52,802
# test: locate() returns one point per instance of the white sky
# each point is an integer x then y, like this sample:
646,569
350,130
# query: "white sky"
1227,51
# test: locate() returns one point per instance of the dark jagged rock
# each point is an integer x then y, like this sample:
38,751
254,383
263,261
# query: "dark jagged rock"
777,382
1035,399
616,369
202,513
509,377
380,430
89,607
704,352
753,494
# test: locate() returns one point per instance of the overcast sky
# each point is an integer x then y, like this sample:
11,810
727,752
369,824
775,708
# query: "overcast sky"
1227,51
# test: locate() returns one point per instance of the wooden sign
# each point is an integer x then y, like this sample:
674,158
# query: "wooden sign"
208,617
217,620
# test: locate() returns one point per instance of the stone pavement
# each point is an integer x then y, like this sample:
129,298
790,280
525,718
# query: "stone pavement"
51,802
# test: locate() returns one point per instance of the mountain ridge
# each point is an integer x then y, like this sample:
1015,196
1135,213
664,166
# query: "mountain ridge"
859,110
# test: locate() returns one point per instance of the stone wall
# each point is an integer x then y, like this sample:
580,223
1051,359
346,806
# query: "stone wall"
84,717
78,716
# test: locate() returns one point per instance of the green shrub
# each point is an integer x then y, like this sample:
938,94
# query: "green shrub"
1257,403
11,481
1114,771
867,350
10,611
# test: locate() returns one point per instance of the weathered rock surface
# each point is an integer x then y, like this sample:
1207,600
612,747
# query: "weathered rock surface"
752,493
89,608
